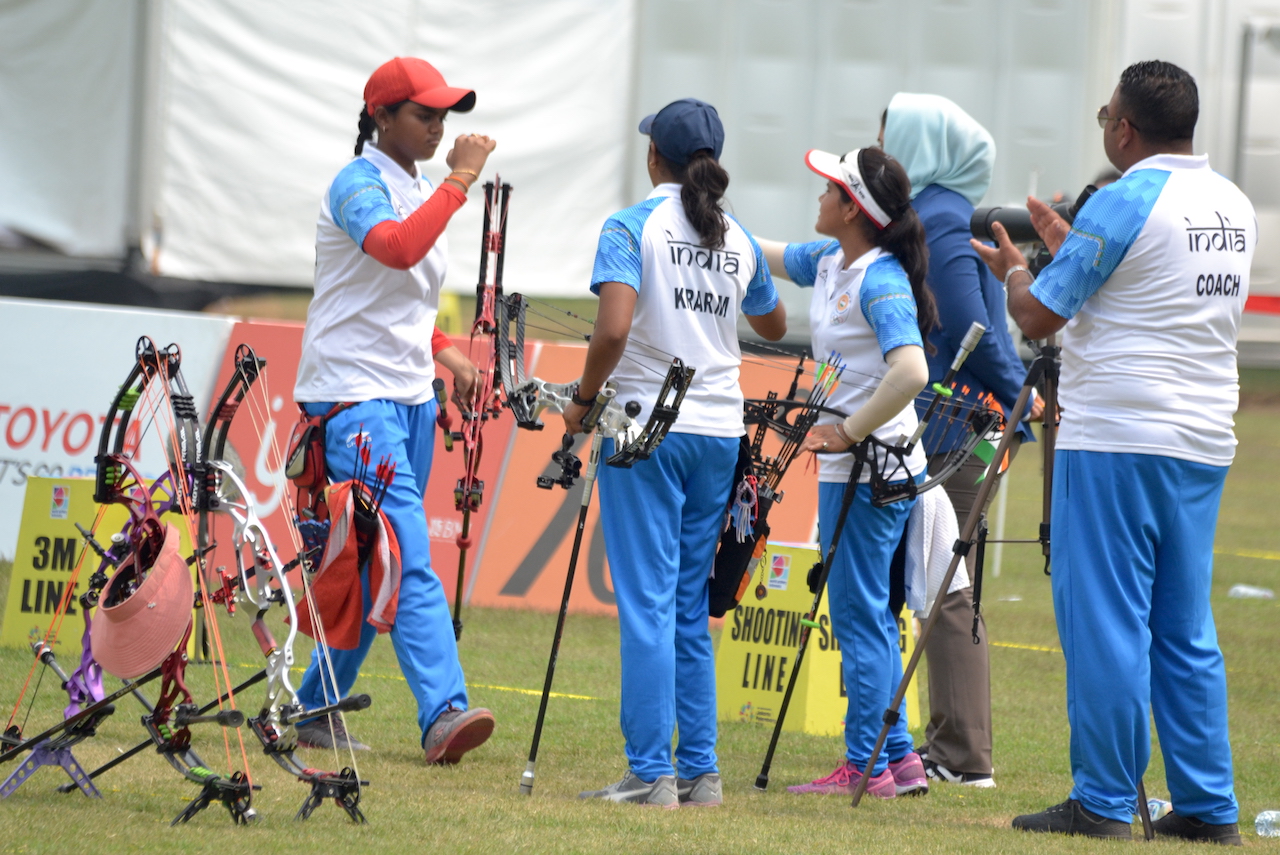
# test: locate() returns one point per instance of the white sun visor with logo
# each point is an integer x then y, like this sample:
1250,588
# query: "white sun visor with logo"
843,170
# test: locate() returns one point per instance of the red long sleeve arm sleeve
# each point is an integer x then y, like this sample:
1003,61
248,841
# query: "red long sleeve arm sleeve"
439,341
402,245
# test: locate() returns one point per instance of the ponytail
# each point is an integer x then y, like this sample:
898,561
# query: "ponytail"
904,236
366,126
703,182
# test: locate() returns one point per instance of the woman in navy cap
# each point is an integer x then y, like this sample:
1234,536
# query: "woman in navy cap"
380,261
672,274
871,305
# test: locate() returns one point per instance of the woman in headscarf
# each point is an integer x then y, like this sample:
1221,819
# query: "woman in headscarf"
949,157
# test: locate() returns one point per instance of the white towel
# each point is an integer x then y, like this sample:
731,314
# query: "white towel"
931,533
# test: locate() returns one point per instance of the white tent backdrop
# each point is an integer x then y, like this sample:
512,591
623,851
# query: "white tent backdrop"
207,130
256,110
66,101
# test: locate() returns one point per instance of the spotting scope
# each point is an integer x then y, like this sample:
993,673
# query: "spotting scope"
1017,221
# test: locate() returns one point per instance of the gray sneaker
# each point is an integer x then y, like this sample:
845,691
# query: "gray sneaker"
661,792
330,733
455,732
702,791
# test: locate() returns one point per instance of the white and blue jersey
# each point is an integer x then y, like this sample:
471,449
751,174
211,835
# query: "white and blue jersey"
1153,278
861,312
687,304
369,326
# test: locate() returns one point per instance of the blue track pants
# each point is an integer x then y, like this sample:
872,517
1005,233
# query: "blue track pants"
662,521
423,631
1132,565
858,599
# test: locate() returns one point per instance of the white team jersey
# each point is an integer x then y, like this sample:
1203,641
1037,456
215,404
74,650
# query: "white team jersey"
687,304
369,326
845,303
1154,276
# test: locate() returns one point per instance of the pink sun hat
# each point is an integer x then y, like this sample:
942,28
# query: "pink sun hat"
134,635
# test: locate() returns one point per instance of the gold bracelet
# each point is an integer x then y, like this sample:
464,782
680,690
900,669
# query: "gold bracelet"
476,175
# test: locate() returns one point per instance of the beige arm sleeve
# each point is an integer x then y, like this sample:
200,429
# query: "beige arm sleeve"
773,250
907,375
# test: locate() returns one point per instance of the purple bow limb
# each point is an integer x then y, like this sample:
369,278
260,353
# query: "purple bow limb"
85,685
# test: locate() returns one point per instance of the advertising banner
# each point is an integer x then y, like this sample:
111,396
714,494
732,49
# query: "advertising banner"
758,647
48,550
259,434
64,363
525,555
521,536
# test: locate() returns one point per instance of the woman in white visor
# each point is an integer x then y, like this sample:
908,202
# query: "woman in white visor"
871,306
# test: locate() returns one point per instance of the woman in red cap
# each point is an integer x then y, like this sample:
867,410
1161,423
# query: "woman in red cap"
380,262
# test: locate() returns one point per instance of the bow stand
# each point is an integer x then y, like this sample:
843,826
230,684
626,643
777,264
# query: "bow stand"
260,578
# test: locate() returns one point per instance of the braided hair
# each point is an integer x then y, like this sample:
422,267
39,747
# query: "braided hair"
366,125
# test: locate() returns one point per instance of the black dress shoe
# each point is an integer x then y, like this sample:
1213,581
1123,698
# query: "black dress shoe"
1172,825
1071,817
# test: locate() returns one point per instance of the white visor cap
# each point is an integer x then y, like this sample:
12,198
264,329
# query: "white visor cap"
843,170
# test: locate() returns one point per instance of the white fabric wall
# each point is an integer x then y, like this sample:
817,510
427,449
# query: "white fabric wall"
1204,37
66,96
790,75
257,108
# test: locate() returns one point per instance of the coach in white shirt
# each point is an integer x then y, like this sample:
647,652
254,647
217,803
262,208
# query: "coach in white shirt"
1149,283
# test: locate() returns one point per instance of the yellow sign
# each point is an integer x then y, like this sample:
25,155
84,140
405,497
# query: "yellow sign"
48,548
758,647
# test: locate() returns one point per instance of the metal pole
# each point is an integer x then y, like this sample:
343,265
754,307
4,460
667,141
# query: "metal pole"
1242,100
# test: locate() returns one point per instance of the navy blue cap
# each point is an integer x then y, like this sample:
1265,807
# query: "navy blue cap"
683,127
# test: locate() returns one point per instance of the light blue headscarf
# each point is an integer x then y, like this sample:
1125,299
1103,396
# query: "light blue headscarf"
938,143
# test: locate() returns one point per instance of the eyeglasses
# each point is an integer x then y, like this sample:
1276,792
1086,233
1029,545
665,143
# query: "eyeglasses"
1104,117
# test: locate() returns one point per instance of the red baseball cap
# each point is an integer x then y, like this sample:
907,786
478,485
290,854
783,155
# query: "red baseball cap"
407,78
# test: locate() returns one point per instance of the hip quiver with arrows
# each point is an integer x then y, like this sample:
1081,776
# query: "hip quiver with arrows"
304,465
737,558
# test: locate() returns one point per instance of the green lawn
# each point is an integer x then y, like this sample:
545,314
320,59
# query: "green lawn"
476,807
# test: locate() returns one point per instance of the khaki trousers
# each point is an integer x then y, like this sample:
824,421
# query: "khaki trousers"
958,736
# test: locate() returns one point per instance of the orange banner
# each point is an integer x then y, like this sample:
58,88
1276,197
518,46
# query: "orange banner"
526,553
260,430
521,536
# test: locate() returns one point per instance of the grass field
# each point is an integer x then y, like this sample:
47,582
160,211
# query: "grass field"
475,807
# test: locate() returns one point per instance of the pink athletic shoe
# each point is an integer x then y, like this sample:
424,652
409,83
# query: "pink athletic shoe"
845,780
909,778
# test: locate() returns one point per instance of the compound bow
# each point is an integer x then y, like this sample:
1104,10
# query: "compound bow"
485,403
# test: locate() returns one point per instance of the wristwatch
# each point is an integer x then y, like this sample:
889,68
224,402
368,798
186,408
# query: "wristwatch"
579,401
